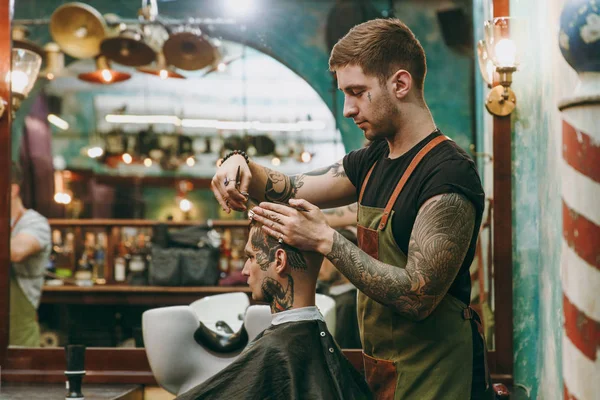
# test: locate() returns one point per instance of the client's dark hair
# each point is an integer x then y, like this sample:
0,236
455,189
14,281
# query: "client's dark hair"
269,245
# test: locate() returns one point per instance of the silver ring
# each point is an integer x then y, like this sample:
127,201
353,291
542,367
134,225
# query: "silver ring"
226,181
280,240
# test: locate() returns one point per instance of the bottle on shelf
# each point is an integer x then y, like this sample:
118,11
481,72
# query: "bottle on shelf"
120,267
100,259
225,256
86,263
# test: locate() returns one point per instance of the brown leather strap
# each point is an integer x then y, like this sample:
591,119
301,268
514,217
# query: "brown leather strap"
364,185
413,164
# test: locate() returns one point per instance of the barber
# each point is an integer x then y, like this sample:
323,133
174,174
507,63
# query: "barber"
30,247
420,203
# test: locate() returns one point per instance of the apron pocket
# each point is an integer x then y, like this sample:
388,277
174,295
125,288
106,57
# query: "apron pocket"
381,375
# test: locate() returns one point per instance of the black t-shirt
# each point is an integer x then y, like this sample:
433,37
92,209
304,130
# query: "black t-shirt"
445,169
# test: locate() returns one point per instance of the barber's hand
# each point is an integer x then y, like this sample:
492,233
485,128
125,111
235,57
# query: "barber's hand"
232,194
301,225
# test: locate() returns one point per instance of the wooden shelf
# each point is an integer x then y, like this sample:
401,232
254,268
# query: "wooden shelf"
132,295
144,223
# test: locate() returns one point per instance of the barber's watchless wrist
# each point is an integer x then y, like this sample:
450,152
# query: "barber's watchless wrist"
326,243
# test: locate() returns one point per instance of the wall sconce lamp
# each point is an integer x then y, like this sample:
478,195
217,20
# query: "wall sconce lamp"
24,72
499,58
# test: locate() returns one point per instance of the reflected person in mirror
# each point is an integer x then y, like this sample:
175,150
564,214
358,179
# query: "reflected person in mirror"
30,246
420,203
296,356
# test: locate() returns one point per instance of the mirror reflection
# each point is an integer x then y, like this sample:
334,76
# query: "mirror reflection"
112,211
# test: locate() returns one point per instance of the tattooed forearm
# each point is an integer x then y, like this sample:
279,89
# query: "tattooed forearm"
337,170
279,298
280,187
439,242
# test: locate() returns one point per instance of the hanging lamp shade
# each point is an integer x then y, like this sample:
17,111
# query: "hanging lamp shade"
104,74
161,69
189,50
78,29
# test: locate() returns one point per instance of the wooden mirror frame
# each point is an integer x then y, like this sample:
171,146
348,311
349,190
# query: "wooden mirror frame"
112,365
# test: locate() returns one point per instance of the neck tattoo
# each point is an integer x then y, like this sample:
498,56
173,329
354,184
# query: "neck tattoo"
279,298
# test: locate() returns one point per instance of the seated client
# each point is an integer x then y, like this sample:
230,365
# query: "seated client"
295,357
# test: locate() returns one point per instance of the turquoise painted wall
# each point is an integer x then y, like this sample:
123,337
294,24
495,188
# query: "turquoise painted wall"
537,217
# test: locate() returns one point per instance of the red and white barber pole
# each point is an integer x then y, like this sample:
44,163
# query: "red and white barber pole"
579,40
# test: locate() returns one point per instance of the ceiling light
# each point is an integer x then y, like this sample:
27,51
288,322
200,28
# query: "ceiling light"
58,122
95,152
142,119
185,205
148,162
221,67
306,156
239,7
62,198
276,161
103,73
127,159
190,161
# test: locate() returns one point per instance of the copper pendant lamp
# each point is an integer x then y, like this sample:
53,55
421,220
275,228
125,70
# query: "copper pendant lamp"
104,74
189,50
78,29
161,69
128,48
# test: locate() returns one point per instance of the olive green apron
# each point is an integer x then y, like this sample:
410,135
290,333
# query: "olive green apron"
23,329
428,359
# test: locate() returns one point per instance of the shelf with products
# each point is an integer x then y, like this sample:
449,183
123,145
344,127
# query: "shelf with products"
112,252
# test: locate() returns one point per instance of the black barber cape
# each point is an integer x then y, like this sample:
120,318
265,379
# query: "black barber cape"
293,360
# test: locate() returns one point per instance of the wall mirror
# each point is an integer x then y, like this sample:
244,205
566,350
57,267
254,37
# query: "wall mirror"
106,162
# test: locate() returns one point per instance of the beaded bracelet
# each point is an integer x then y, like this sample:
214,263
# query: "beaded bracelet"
239,152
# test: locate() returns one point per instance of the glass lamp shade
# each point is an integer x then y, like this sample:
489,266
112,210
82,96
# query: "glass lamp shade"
502,38
25,69
486,66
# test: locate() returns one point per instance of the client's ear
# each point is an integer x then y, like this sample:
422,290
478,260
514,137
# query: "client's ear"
281,261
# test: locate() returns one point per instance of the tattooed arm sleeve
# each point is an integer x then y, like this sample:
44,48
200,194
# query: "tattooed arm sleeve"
438,244
324,187
341,216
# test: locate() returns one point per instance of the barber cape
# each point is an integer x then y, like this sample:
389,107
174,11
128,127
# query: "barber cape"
294,358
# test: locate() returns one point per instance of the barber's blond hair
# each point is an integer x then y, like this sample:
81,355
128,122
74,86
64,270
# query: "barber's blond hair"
381,47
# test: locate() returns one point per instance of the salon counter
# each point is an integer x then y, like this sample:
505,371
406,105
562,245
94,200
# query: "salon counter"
132,295
49,391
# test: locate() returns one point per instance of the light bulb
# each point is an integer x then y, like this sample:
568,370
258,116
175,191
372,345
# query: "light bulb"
185,205
164,74
190,161
221,67
275,161
305,156
506,53
127,159
95,152
148,162
107,75
19,81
